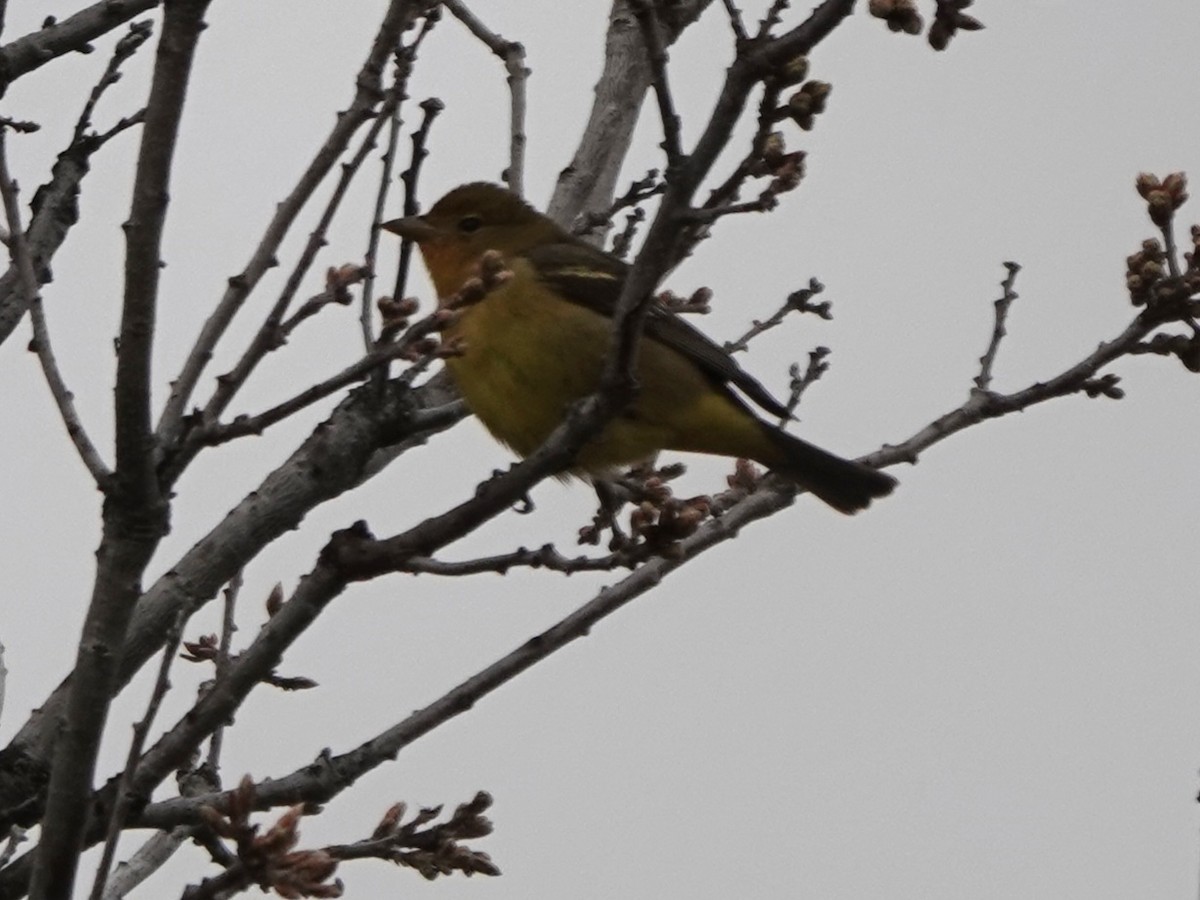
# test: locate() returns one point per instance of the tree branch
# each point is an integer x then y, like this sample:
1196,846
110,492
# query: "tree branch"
325,779
23,55
672,144
405,58
55,204
141,730
368,93
512,54
589,180
23,262
134,511
268,336
430,107
365,432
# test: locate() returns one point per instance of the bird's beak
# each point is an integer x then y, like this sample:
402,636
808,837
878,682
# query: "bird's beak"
413,228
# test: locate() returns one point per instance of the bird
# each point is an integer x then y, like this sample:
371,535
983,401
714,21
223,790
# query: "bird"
539,339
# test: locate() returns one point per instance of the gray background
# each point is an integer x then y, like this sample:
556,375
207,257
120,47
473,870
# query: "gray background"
985,687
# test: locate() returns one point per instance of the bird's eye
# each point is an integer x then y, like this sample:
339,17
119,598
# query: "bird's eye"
469,224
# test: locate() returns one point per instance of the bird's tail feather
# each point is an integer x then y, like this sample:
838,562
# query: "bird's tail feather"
845,485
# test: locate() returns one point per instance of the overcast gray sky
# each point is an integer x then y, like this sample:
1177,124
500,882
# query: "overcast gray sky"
987,686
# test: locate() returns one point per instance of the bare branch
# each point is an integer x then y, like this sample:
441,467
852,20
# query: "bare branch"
141,730
145,861
329,776
405,58
414,345
735,21
623,242
228,627
589,180
75,34
217,433
63,398
139,32
431,851
269,337
430,107
983,405
802,381
512,53
368,93
639,190
365,432
55,204
672,145
798,301
135,513
545,557
984,379
772,18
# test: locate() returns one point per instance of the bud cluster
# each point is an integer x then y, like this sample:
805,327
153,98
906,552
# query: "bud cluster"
1162,197
1151,274
807,102
785,168
900,15
948,19
663,524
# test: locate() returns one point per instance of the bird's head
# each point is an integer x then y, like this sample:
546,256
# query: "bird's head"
468,221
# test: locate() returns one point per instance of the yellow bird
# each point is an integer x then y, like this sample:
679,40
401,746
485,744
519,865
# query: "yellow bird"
539,341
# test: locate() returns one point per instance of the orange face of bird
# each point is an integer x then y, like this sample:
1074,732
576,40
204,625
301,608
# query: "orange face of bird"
464,224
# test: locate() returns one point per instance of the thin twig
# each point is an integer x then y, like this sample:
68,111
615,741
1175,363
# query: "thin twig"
267,337
545,557
639,190
672,145
63,398
765,202
405,58
120,809
728,190
55,204
139,32
228,627
983,380
512,53
217,433
802,381
623,242
337,281
735,21
431,106
797,301
368,92
1169,248
773,17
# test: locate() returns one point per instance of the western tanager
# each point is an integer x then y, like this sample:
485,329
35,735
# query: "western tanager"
539,341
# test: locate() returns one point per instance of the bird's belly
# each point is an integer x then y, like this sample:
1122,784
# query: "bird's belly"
522,368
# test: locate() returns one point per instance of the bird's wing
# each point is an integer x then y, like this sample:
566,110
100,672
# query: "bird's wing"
592,278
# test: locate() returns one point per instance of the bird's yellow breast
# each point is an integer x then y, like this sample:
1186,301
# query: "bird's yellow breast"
529,354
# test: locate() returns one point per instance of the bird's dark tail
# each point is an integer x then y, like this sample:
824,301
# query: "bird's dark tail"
845,485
